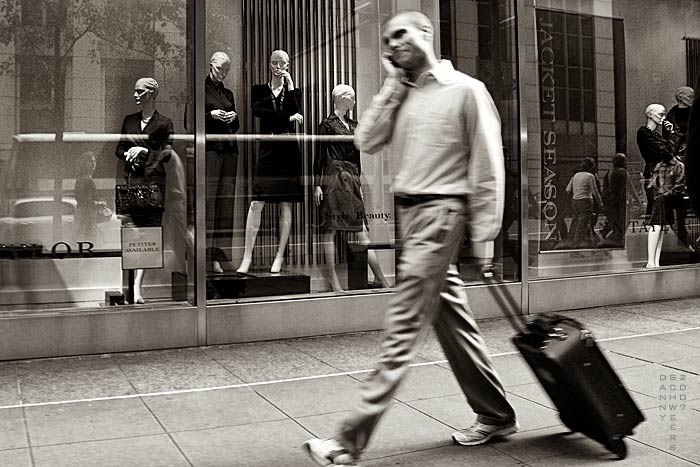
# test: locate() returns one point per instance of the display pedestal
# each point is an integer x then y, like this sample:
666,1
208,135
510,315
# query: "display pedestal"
128,278
357,263
238,285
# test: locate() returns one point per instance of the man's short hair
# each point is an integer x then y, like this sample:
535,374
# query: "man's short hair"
415,17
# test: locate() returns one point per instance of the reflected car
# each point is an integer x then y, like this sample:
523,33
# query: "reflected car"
31,220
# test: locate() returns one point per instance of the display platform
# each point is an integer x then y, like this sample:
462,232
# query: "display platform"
357,263
252,284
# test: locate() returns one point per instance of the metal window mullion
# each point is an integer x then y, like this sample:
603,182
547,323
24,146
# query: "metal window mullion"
521,25
200,63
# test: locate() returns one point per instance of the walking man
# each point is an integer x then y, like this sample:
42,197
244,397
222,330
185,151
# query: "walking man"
444,130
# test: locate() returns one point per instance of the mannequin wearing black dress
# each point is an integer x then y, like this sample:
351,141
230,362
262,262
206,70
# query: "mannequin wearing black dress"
337,189
277,177
655,150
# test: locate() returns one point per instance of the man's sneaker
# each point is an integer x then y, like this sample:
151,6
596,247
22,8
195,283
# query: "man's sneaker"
328,451
479,433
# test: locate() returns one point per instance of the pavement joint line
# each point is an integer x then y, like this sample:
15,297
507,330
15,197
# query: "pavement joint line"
286,380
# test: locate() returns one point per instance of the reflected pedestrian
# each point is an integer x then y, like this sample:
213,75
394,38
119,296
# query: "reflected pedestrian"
585,196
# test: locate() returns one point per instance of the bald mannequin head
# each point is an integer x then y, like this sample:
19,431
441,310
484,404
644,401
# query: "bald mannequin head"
219,65
279,62
654,109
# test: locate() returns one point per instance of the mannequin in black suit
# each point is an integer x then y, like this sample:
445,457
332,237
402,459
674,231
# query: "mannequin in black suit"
145,147
221,160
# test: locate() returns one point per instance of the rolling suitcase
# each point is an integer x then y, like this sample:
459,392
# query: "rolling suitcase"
568,363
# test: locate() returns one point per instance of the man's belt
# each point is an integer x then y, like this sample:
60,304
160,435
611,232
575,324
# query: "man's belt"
407,201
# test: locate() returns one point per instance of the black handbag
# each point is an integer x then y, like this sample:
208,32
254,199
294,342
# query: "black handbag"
138,197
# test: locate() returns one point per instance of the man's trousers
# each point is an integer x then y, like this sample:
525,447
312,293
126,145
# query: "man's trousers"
427,293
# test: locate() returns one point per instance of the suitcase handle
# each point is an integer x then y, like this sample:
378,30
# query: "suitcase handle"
504,300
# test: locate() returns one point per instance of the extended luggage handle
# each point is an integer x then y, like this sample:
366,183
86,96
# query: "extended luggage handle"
504,300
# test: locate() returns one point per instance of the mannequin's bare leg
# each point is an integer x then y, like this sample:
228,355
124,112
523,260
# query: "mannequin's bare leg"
138,282
372,259
328,239
252,225
659,245
654,241
285,228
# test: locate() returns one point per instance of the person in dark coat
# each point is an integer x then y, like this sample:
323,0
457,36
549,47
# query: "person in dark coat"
617,184
220,119
277,177
145,147
85,193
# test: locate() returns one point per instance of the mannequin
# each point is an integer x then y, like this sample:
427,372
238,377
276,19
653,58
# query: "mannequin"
653,147
337,186
679,115
277,177
693,150
221,160
145,147
667,178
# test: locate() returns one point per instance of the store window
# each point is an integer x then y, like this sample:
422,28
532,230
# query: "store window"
597,69
68,73
289,231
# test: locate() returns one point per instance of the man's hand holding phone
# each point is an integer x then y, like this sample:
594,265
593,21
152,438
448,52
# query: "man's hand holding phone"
391,67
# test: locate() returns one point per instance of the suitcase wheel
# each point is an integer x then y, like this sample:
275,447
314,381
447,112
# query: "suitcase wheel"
617,446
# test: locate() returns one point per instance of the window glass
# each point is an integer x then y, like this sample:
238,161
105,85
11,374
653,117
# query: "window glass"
574,105
574,76
291,223
573,53
68,73
592,206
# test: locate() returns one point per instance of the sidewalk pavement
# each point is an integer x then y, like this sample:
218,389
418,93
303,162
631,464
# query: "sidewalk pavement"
253,405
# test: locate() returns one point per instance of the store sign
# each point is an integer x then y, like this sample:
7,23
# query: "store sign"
142,247
550,208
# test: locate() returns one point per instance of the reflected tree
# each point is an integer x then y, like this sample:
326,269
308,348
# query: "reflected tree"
44,36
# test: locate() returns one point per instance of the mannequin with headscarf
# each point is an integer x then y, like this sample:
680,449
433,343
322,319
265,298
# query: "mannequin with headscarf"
337,189
679,116
221,161
145,147
277,176
692,165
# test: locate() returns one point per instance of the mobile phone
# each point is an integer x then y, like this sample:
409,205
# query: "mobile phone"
388,56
